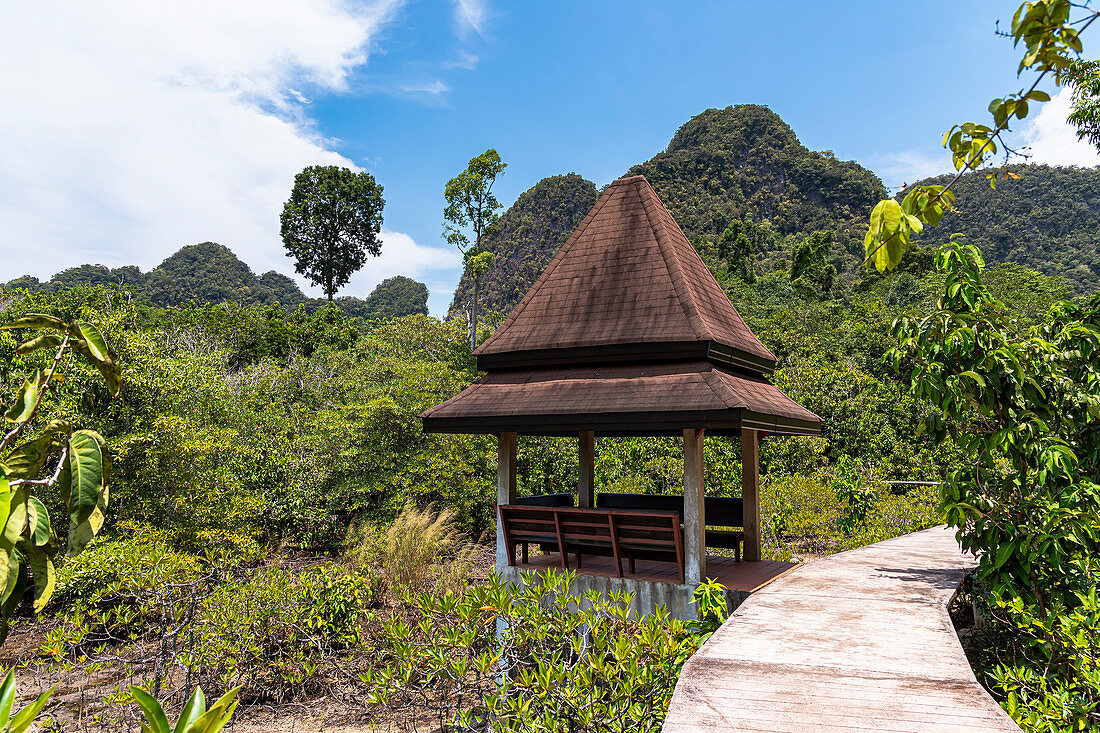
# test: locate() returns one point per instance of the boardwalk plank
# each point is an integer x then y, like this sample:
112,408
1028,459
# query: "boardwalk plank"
859,641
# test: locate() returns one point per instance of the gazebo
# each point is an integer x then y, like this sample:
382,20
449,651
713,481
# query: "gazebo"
627,333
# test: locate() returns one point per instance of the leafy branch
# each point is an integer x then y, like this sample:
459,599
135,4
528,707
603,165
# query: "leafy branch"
1050,36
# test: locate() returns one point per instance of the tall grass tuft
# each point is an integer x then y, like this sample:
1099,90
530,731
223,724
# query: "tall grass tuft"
422,549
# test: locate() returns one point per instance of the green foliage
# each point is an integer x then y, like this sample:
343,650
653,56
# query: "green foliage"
1040,217
1022,400
276,633
80,464
330,224
729,164
194,718
1022,403
1083,77
1050,37
1050,681
808,514
525,239
396,297
472,207
810,273
25,717
711,608
856,492
500,658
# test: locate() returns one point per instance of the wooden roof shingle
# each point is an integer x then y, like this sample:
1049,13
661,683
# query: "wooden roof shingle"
626,286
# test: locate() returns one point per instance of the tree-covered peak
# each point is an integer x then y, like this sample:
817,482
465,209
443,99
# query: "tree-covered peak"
746,126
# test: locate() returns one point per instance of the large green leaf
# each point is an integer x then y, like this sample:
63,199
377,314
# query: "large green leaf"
38,520
42,341
25,400
108,366
44,577
155,718
16,521
218,715
27,459
25,717
13,592
193,709
7,698
37,320
81,534
88,465
97,347
14,525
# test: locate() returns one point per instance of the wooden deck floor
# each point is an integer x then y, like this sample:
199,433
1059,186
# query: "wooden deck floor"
742,576
859,641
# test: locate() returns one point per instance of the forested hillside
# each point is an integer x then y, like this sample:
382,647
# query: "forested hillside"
526,238
1047,219
745,190
210,273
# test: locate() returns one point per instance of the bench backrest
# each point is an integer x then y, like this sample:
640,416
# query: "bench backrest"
588,525
719,511
546,500
528,521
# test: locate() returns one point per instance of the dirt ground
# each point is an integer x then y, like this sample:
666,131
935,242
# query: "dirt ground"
77,704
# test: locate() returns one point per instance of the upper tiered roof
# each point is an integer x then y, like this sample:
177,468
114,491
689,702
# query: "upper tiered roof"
625,333
626,286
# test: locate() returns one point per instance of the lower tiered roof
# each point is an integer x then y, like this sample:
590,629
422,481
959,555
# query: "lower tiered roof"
629,399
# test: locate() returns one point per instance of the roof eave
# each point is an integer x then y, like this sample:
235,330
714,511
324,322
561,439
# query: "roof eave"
721,422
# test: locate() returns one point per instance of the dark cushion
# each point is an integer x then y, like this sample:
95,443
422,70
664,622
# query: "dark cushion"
721,511
546,500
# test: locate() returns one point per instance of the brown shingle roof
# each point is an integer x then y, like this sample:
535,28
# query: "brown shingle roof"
626,286
629,399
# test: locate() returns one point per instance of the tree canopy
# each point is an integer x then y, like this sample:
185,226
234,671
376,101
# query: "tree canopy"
330,224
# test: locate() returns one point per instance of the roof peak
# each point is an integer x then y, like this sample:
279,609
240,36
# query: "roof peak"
626,286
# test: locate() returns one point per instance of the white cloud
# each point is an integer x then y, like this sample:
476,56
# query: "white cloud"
909,166
132,128
403,256
1052,140
432,88
470,15
464,60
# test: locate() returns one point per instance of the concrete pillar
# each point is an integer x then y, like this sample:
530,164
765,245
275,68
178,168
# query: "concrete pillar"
750,492
586,485
506,487
695,549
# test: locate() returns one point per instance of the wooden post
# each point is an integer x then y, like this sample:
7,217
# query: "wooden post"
586,485
750,492
695,549
506,487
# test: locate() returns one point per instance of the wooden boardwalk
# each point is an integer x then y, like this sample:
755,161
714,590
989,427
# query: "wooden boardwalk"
859,641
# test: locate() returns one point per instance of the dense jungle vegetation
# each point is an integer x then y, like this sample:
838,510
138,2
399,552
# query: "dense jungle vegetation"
1047,219
211,273
271,478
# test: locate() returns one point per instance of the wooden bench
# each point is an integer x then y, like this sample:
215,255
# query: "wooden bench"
622,534
718,511
555,500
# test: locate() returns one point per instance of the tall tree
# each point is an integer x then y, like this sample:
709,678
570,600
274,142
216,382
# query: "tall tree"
331,223
472,208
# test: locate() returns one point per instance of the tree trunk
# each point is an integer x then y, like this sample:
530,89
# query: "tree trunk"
473,314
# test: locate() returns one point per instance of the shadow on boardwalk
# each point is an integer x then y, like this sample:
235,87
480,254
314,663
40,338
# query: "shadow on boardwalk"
859,641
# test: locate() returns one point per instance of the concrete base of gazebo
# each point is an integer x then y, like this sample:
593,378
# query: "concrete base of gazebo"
656,584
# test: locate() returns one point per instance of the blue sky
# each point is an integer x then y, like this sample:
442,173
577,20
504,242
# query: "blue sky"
140,129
